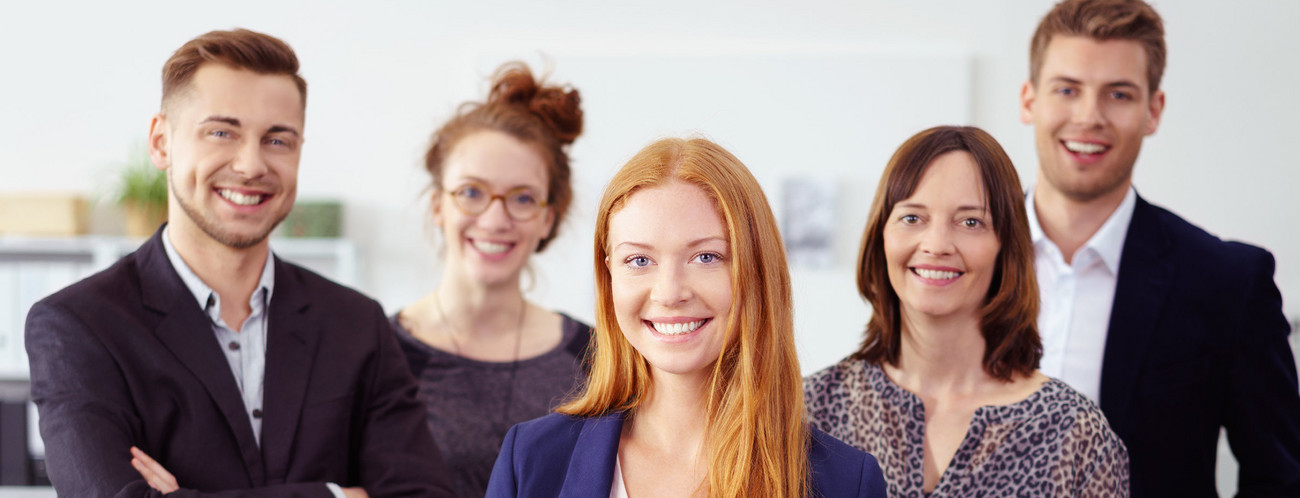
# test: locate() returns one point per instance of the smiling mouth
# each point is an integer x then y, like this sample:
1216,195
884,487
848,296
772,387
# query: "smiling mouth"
1085,148
936,274
678,328
242,199
486,247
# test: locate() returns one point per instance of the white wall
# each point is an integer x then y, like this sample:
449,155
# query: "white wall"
80,81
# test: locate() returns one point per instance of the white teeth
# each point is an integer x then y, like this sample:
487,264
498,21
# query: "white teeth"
936,274
240,199
490,247
1085,147
677,328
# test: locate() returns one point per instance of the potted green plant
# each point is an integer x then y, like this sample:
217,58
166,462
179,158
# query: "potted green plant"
142,193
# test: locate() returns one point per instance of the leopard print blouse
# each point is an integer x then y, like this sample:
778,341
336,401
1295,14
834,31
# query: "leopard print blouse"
1053,443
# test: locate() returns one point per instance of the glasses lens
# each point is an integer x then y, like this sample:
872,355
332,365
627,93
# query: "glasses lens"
472,199
522,204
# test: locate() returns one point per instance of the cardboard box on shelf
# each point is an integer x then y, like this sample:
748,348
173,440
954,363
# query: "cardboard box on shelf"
42,214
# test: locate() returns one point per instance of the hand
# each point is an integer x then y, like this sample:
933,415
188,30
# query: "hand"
355,493
153,472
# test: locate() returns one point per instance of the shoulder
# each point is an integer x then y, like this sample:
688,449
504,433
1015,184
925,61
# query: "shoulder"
1196,243
837,376
1077,418
318,288
842,470
556,430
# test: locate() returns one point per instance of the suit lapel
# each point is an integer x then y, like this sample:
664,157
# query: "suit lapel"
187,333
1145,273
290,351
591,468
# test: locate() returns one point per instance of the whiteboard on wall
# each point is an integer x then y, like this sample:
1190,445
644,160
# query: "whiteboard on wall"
829,117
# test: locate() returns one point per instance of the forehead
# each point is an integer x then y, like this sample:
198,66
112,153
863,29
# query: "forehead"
496,158
256,100
667,214
953,178
1090,60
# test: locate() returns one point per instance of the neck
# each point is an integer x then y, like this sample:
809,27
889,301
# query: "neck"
1069,222
673,416
940,355
231,272
480,310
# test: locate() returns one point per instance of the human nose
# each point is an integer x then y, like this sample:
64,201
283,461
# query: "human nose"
671,287
1087,111
495,214
937,240
249,162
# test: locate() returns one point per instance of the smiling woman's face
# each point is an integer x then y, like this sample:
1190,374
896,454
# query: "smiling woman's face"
670,274
940,243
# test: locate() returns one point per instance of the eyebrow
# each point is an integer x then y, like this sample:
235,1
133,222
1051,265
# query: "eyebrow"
917,205
1112,84
475,179
280,128
693,243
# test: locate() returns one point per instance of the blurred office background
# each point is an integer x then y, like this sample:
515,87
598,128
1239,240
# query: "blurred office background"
813,96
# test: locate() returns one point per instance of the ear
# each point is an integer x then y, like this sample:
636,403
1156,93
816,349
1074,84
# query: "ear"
435,204
1156,109
1027,95
549,219
159,141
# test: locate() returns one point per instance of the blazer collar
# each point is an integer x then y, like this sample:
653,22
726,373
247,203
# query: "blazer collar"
186,332
1143,282
292,338
591,467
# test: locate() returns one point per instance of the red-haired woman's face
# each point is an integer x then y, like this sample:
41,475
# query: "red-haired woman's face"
940,245
670,276
491,247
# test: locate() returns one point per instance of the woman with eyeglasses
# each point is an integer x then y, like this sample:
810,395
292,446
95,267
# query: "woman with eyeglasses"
485,357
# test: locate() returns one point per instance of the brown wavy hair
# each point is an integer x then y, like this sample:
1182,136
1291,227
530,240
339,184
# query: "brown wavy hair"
757,437
1103,20
239,49
1010,312
547,118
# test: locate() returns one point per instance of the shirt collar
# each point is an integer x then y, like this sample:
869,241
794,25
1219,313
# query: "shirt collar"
1107,243
202,293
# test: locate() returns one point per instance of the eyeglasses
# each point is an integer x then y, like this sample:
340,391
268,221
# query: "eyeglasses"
520,202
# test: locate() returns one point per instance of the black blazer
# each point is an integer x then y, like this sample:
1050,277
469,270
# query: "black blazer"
1197,341
127,357
573,457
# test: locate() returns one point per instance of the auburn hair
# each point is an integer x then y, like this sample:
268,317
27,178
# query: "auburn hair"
547,118
238,49
1103,20
757,438
1010,311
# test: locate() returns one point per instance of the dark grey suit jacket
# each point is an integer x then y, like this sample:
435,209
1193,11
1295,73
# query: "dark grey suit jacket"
126,357
1197,341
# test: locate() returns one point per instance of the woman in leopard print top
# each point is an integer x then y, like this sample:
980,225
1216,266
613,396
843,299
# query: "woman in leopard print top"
945,390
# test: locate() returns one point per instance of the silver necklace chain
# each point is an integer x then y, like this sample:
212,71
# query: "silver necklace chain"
503,423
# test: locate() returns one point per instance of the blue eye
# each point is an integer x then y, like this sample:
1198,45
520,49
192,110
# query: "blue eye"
523,199
638,261
910,219
709,257
469,192
220,133
1121,96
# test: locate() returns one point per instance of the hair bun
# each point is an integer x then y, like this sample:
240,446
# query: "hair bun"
559,107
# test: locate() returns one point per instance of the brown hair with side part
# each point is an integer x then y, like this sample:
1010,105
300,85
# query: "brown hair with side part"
238,49
757,437
547,118
1103,20
1010,312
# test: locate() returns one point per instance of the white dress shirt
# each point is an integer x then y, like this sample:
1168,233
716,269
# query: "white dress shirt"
1076,298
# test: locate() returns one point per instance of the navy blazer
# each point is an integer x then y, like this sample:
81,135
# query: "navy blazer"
127,357
1197,341
563,456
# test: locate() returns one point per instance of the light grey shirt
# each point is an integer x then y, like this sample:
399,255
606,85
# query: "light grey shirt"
245,349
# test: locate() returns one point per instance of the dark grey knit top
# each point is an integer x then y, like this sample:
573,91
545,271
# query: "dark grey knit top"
471,404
